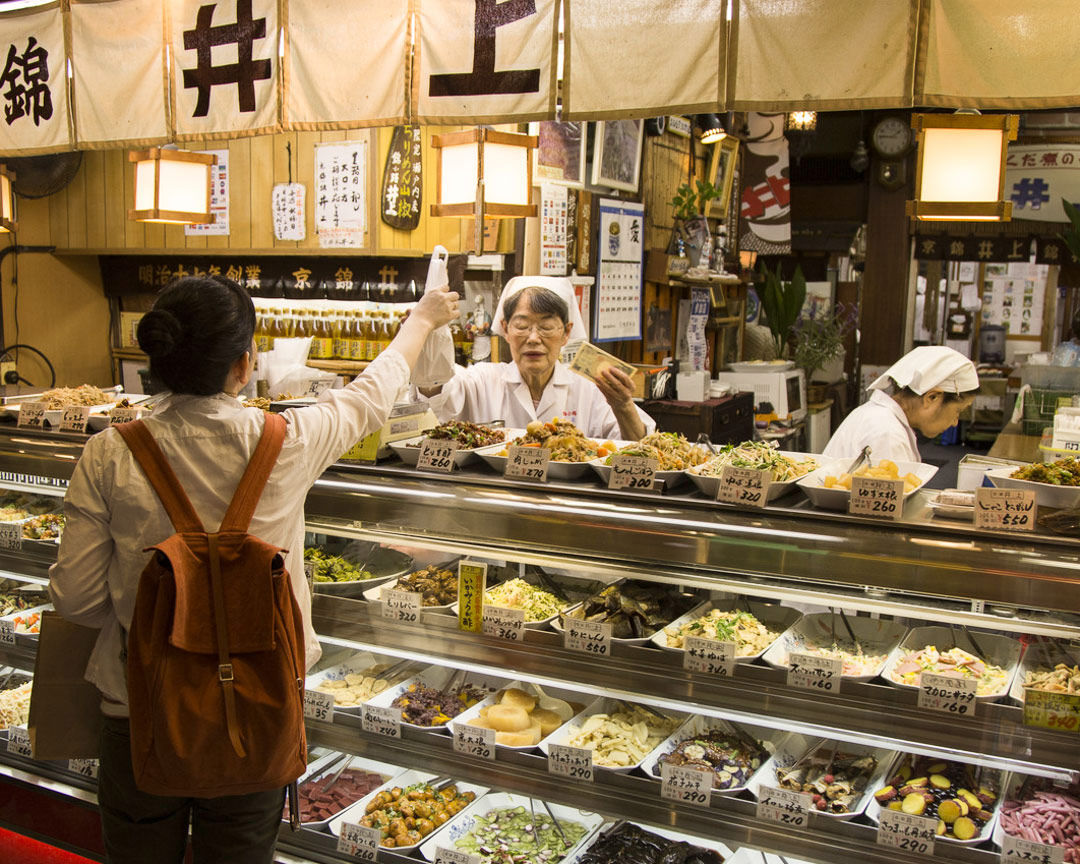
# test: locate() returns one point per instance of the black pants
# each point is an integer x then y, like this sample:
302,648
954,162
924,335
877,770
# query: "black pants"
140,828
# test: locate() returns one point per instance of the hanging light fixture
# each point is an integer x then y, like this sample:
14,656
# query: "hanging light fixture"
801,121
712,128
960,173
171,186
484,174
7,202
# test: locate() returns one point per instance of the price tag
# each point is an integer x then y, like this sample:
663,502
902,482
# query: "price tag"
453,856
123,415
948,694
359,841
84,767
528,463
592,637
32,414
784,806
309,574
903,831
814,673
11,535
686,785
75,418
382,720
19,741
1005,509
437,454
1048,710
474,741
632,472
401,605
317,386
1019,849
472,583
709,656
504,623
746,486
881,499
573,762
7,632
319,705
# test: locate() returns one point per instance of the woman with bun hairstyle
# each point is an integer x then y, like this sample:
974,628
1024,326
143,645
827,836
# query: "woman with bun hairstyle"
199,338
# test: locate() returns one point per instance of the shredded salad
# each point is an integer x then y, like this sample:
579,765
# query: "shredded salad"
760,456
750,635
539,605
671,451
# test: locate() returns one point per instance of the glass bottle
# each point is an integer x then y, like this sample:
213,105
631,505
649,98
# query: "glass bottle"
369,336
340,346
458,335
323,337
356,336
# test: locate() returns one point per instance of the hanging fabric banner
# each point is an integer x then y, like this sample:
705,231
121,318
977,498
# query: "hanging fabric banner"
614,52
225,68
1038,176
496,64
765,198
118,48
33,84
328,83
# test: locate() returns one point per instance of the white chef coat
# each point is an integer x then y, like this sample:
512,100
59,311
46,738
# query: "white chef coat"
113,513
494,391
879,422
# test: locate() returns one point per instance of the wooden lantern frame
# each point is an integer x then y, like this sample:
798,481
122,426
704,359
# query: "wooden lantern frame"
8,225
156,214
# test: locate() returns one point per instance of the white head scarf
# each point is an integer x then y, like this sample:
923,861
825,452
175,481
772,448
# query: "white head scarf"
929,367
557,285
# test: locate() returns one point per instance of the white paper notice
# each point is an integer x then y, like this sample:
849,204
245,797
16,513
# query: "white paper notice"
621,250
219,199
288,211
553,219
341,194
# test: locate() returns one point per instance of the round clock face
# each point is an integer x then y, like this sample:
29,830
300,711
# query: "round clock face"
891,136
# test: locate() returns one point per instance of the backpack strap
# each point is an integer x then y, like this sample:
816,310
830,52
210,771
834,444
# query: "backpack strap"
225,668
250,489
161,476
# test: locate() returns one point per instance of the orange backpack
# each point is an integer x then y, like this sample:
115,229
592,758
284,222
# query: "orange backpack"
215,656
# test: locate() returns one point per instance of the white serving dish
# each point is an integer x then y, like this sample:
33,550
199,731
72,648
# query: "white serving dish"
44,607
603,705
1047,654
465,821
324,768
1001,650
795,746
355,664
529,625
408,450
709,485
668,833
374,595
1046,494
355,812
876,636
466,717
389,562
774,616
873,808
669,478
837,498
558,626
561,471
772,739
435,676
1012,789
762,366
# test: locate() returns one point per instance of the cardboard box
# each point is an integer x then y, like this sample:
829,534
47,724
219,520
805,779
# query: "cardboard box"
129,324
645,380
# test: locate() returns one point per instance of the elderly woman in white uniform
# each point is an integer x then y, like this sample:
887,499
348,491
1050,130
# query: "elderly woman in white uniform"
537,316
925,390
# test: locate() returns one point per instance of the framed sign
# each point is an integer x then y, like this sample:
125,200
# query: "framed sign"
617,154
722,174
560,153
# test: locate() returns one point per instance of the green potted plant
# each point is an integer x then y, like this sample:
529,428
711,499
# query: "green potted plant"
691,227
781,302
819,342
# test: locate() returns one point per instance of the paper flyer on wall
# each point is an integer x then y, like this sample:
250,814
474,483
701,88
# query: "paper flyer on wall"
341,194
219,200
619,278
553,236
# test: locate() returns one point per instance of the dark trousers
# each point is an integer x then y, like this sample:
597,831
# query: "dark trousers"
140,828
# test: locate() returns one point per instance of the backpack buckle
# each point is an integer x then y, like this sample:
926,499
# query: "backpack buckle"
225,672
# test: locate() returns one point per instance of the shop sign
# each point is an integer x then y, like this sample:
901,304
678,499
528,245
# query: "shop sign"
591,637
747,487
319,705
1038,176
472,583
401,197
876,498
1052,710
401,606
75,418
710,656
503,623
32,414
632,472
1006,250
810,672
1017,849
948,694
453,856
528,463
19,741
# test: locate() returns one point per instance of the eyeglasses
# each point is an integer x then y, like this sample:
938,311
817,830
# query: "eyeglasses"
546,330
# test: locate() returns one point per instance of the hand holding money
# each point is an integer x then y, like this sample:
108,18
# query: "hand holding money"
590,361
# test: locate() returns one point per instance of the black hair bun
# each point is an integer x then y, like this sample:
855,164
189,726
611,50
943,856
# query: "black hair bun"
159,333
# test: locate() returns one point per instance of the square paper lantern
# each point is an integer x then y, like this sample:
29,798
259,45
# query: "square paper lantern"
171,186
7,202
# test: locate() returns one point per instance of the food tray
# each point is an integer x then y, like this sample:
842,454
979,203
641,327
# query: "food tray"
558,626
1046,494
561,471
876,636
1040,654
950,511
709,485
374,594
837,498
567,584
55,415
464,822
774,616
746,855
1002,650
355,812
357,663
325,767
873,808
28,637
386,564
466,717
773,739
408,450
435,676
603,705
18,678
795,746
1012,789
667,833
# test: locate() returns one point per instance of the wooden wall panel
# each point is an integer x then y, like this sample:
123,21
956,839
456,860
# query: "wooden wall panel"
115,205
76,207
94,161
261,184
240,194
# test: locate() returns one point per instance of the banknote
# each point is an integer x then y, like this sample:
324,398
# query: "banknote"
590,361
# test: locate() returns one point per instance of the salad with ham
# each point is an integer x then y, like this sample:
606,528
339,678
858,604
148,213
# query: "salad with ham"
955,663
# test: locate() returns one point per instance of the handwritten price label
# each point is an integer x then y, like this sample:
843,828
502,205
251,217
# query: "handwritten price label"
784,806
528,463
19,741
503,623
573,762
474,741
309,574
814,673
319,705
686,785
401,605
709,656
632,472
84,767
453,856
880,499
123,415
75,418
32,414
7,632
1015,849
1005,509
382,720
592,637
904,831
317,386
472,583
358,841
10,535
747,487
437,454
947,694
1052,710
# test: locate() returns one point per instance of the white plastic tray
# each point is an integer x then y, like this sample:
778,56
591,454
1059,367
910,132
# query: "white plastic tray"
408,450
876,637
678,837
324,768
466,717
709,485
561,471
1047,654
1046,494
837,498
435,676
355,664
774,616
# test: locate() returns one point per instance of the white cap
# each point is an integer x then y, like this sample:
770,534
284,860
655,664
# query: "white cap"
560,286
928,367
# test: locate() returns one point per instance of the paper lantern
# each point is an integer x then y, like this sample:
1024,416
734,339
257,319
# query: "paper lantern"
171,186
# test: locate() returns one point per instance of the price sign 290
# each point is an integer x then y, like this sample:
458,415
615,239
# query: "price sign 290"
907,832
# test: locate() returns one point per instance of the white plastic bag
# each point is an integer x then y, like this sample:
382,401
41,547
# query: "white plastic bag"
436,364
287,372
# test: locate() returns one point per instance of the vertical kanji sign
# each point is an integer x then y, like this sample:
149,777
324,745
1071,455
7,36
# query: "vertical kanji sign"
33,84
402,187
341,193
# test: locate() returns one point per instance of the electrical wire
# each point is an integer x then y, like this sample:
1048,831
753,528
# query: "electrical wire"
15,346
